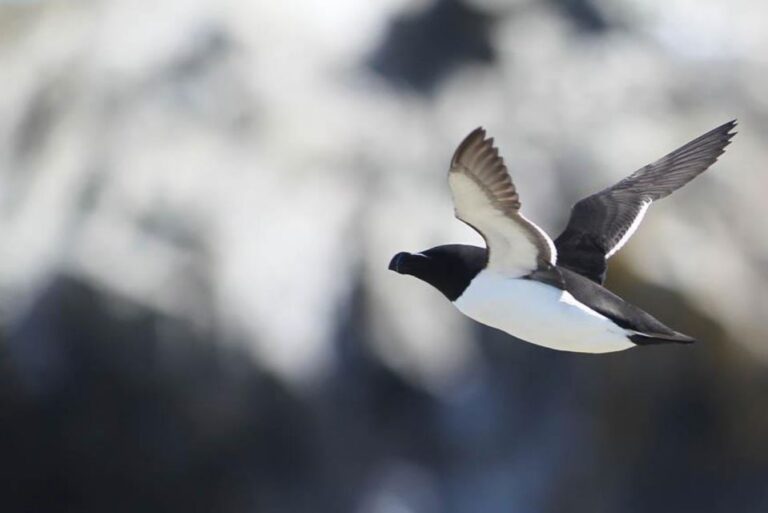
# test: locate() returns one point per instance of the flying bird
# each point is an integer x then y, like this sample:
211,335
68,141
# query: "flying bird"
544,292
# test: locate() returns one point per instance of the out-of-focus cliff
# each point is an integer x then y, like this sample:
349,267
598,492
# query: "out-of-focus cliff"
198,201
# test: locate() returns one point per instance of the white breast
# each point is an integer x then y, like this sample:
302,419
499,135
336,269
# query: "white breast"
540,314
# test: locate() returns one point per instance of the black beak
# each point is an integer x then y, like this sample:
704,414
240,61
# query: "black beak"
397,261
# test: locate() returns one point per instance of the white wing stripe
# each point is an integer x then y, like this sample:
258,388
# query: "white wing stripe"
631,230
545,236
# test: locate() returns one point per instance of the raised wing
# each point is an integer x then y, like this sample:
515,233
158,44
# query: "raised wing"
602,223
485,198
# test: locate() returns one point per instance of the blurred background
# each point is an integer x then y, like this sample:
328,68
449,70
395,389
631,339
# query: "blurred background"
198,202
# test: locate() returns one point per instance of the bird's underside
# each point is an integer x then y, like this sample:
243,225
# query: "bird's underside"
627,321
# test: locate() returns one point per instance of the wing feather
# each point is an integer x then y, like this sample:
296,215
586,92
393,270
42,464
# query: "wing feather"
602,223
486,199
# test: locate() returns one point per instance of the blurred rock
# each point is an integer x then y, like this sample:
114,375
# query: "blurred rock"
110,406
421,48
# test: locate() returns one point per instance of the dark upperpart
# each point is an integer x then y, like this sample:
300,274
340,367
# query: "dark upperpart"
448,268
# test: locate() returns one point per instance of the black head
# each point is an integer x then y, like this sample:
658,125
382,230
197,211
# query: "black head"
447,268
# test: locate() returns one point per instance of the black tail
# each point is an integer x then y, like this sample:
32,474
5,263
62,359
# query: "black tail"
648,339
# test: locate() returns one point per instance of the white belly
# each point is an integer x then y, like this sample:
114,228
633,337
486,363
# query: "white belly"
540,314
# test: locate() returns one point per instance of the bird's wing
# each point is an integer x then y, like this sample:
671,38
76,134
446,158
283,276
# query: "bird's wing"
485,198
602,223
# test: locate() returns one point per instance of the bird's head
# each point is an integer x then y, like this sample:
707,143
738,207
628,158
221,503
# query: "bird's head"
448,268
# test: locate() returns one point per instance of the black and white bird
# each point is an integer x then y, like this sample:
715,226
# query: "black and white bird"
544,292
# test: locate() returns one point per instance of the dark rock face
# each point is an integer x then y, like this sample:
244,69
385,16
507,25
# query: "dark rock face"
585,15
421,49
110,406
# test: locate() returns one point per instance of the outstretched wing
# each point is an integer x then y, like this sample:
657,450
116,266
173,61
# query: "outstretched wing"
602,223
485,198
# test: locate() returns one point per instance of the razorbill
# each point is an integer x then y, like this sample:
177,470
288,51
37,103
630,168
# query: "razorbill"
550,293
